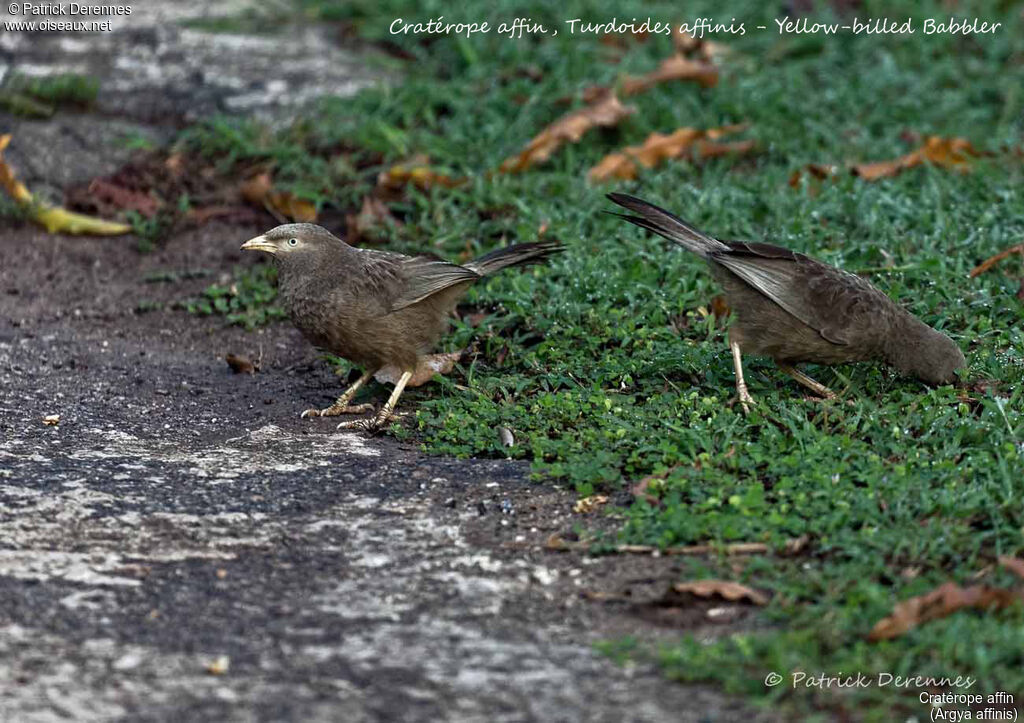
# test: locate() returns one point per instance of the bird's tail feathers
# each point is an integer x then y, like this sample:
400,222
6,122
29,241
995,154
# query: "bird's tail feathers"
667,224
515,255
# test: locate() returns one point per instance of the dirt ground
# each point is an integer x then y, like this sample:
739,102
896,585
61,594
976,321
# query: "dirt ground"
182,519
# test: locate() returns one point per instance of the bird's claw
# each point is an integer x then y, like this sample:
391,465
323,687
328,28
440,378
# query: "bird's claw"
370,426
334,411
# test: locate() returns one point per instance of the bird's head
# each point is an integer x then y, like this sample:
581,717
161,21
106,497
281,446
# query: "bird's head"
929,355
297,245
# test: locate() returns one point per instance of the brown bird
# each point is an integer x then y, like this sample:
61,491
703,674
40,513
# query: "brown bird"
374,308
795,309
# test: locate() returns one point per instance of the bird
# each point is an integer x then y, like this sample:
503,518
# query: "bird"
795,309
375,308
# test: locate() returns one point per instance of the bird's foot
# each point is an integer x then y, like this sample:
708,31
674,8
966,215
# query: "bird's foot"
334,410
372,425
746,401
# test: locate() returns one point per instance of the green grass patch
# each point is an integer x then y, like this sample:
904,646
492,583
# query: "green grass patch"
247,301
607,369
41,97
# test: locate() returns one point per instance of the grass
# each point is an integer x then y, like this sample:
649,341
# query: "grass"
41,97
607,370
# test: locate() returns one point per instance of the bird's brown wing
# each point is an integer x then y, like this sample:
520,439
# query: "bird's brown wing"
424,276
833,302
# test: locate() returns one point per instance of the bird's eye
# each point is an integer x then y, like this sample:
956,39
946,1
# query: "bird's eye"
293,242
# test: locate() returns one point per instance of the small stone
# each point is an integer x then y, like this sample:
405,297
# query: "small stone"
219,665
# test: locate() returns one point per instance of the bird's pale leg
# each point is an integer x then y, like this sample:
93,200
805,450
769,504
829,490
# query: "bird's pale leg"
382,417
741,385
815,386
341,405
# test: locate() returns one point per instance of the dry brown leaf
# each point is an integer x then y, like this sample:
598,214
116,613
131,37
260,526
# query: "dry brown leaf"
418,172
952,153
657,148
939,603
675,67
428,366
993,260
1013,564
720,307
641,490
259,190
690,46
817,171
373,215
240,364
731,591
587,505
715,149
237,213
606,111
124,198
53,218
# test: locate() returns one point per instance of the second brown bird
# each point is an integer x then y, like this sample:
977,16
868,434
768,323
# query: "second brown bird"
795,309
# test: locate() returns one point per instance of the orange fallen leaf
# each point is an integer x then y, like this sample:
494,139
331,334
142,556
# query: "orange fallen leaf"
708,589
259,190
657,148
951,153
675,67
53,218
428,366
606,111
941,602
418,172
993,260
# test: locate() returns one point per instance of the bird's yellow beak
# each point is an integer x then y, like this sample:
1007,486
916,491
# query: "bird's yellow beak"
260,243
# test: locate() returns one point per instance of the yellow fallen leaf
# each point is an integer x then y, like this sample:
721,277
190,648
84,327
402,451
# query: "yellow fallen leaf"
589,504
54,218
418,172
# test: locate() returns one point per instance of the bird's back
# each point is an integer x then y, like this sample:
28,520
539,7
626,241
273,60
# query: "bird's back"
794,308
